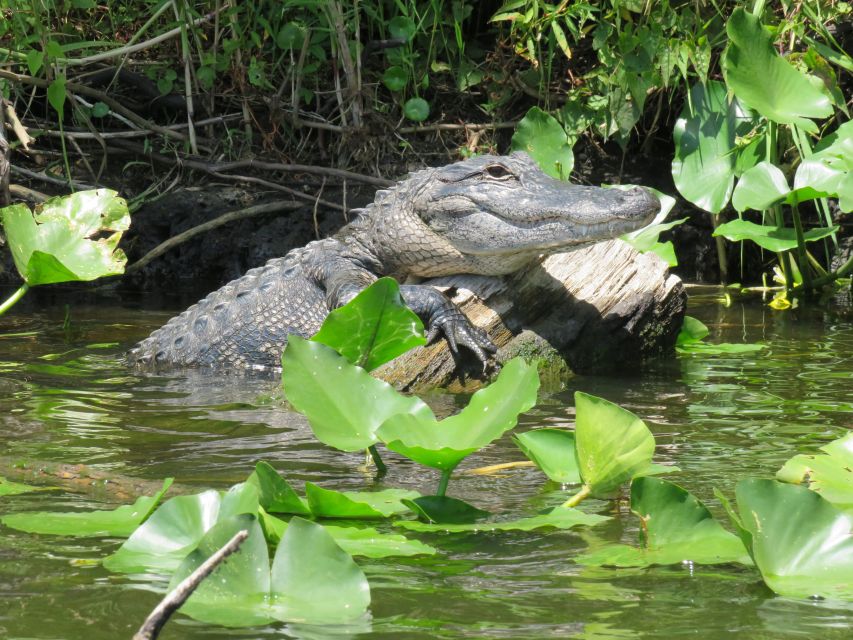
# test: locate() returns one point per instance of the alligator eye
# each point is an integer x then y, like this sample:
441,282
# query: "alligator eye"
499,172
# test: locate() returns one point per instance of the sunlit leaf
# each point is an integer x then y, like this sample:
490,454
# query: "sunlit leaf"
830,473
344,404
769,237
275,493
675,528
557,518
374,327
328,503
544,139
553,451
830,168
9,488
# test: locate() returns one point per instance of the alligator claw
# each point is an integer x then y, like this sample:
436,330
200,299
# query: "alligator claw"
459,331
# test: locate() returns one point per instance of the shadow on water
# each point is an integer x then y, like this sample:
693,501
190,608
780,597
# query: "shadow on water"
65,395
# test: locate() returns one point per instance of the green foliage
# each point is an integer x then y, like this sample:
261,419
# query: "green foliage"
647,239
274,492
553,451
830,474
830,168
545,140
9,488
769,237
558,518
328,503
693,332
675,528
444,510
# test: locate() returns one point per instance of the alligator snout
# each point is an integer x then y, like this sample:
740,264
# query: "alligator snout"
637,203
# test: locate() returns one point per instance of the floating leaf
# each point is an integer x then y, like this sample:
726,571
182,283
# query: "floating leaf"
768,83
613,445
344,404
704,164
490,412
54,246
544,139
275,494
830,474
445,509
327,503
801,543
119,522
676,528
557,518
769,237
162,542
553,451
9,488
374,327
693,332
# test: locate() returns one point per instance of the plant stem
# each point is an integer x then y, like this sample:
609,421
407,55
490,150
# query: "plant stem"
577,498
442,484
801,248
381,469
14,298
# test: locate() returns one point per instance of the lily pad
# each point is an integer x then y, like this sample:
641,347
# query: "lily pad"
374,327
693,332
553,451
9,488
557,518
613,445
344,404
492,411
676,528
444,510
801,543
275,494
327,503
175,529
120,522
54,244
356,541
544,139
312,578
769,237
767,82
830,474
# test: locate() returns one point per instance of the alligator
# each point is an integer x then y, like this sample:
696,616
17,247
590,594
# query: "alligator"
487,215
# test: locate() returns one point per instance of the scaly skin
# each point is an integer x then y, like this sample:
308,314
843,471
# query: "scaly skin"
488,215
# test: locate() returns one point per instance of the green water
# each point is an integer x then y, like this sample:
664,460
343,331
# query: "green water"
65,396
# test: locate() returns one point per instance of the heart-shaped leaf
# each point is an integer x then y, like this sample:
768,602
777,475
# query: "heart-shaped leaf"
544,139
275,494
553,451
830,474
327,503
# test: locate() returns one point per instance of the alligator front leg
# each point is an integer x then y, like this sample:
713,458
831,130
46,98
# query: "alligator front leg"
440,315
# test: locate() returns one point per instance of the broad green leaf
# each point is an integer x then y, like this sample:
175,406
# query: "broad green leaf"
769,237
541,136
56,94
9,488
557,518
704,164
395,78
327,503
402,27
675,528
760,187
344,404
416,109
765,81
801,543
553,451
54,246
490,412
162,542
721,348
830,168
613,445
35,60
444,509
356,541
692,331
830,473
290,36
312,578
275,494
120,522
374,327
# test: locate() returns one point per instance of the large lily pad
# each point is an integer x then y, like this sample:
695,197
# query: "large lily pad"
492,411
374,327
55,245
119,522
557,518
344,404
162,542
765,81
275,493
445,510
704,164
613,445
801,543
553,451
328,503
9,488
312,578
769,237
675,528
830,474
544,139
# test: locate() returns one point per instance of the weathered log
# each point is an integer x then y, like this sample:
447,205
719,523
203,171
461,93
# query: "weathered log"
598,309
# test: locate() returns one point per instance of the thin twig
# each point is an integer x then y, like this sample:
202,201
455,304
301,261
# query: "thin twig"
316,205
173,601
487,126
79,186
225,218
20,130
136,133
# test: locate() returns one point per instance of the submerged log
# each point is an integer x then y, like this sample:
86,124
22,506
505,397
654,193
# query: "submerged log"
598,309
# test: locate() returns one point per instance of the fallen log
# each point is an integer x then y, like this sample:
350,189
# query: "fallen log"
599,309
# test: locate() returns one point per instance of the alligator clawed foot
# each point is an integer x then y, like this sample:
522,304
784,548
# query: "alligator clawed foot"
460,332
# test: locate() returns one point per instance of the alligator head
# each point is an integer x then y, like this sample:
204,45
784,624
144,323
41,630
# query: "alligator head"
493,214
